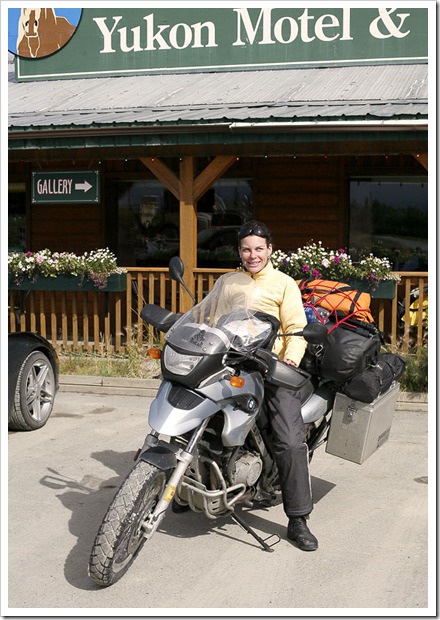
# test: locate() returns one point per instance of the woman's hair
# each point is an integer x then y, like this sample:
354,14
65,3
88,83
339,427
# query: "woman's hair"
253,227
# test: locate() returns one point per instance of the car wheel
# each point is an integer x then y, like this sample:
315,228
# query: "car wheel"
34,394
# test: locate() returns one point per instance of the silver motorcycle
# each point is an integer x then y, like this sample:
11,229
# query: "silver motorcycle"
210,407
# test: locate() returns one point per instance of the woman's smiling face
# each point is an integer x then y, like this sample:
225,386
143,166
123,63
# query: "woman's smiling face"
254,253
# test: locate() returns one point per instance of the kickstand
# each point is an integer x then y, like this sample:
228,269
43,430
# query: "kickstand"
250,531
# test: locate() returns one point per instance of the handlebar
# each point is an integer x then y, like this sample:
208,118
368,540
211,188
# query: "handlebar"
159,317
274,370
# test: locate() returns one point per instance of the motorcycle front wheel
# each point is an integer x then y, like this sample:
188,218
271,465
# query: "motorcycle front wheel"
119,539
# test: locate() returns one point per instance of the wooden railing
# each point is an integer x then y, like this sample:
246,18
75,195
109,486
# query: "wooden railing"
107,323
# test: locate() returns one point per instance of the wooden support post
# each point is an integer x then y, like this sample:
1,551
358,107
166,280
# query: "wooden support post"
188,229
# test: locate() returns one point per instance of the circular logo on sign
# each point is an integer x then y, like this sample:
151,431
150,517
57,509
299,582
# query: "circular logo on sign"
36,33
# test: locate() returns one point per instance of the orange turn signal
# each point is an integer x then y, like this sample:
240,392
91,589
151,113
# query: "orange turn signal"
237,382
155,354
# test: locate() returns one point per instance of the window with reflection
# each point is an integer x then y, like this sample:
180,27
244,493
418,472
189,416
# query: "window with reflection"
148,223
389,217
17,217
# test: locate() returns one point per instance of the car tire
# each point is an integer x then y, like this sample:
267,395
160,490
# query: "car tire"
34,393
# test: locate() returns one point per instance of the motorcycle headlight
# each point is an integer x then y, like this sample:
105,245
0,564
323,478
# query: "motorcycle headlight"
178,363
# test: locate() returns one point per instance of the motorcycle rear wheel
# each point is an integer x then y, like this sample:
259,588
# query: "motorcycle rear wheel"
119,539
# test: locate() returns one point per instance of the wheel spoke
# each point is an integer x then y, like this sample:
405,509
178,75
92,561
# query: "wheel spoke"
38,393
40,377
46,396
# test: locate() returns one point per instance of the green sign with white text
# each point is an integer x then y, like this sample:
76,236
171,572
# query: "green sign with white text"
131,41
69,186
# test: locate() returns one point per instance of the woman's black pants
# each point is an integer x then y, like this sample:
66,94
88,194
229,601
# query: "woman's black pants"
290,449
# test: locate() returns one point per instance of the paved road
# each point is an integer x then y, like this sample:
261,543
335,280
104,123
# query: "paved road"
370,519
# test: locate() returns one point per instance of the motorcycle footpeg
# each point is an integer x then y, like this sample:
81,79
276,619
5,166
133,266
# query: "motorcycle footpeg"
266,498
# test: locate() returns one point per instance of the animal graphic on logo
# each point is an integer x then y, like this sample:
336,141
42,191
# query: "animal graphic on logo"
41,32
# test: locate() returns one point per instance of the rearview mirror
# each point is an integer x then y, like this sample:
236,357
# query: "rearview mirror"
176,268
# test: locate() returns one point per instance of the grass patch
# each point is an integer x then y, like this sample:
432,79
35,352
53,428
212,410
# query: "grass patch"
415,377
134,364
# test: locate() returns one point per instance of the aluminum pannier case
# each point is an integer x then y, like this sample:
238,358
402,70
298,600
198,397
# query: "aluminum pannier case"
358,429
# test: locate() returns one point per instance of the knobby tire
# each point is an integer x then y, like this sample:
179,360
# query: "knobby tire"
119,539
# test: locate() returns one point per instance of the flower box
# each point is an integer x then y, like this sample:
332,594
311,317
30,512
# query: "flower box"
115,282
385,289
313,261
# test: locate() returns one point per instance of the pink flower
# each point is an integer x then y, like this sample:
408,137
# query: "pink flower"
315,273
28,254
305,268
336,259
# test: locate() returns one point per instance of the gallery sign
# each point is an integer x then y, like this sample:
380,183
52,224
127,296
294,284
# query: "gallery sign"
78,186
168,40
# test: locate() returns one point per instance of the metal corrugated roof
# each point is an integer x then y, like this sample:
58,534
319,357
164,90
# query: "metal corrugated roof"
339,93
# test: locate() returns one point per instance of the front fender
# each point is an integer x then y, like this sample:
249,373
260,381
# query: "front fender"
162,455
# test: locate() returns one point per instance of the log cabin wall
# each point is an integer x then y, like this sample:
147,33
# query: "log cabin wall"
67,228
301,199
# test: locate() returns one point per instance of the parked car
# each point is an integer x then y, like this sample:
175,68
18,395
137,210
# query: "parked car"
33,370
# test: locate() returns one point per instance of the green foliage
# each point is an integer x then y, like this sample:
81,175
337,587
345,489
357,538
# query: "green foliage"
387,220
415,377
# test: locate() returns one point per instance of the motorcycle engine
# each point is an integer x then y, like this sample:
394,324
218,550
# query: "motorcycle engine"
248,468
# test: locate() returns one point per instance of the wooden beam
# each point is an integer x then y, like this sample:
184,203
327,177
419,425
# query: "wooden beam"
163,173
188,228
213,171
422,158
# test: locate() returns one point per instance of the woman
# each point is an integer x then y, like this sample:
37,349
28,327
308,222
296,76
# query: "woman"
276,293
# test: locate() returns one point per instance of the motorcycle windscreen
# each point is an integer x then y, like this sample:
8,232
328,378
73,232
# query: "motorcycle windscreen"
224,320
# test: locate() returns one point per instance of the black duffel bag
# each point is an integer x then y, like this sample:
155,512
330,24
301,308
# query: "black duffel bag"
347,351
376,379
